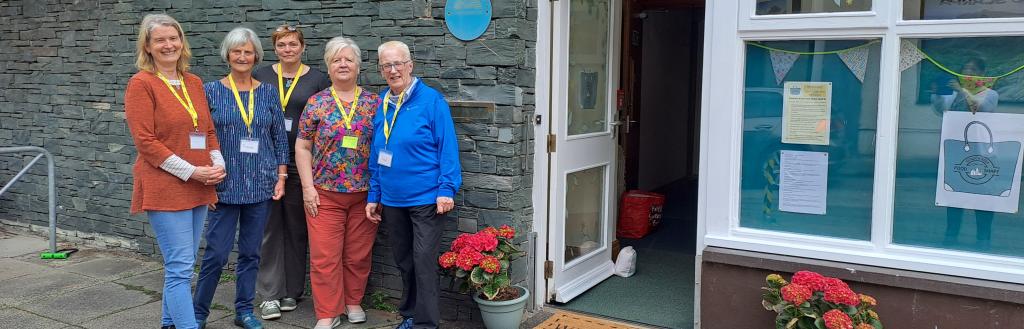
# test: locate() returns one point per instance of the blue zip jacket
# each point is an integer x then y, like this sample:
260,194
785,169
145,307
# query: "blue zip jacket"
425,162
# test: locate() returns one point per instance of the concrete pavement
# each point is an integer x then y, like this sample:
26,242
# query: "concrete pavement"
110,289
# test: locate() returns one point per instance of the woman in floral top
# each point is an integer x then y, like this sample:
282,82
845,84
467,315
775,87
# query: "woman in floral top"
332,152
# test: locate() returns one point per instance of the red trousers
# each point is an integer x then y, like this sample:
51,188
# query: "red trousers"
340,243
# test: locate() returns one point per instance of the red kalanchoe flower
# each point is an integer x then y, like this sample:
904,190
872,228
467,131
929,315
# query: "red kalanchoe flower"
507,232
468,258
483,242
490,230
447,260
833,283
836,319
490,264
841,295
809,279
461,242
796,294
865,326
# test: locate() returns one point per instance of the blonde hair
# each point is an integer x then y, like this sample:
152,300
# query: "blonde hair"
395,45
143,60
333,47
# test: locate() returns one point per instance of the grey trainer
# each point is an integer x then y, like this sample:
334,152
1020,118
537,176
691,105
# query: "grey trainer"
289,304
270,309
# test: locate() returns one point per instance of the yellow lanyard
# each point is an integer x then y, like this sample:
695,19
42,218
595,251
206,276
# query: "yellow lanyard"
187,102
280,85
247,118
347,117
398,106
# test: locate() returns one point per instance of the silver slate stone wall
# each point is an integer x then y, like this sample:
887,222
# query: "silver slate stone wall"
65,64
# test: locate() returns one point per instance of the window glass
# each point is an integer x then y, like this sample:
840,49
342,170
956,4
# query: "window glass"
780,7
970,206
961,9
848,153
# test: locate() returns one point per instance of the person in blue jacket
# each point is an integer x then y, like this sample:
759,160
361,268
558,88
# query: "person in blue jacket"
414,175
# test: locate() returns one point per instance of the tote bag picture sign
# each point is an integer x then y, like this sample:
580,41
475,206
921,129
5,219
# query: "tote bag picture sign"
980,161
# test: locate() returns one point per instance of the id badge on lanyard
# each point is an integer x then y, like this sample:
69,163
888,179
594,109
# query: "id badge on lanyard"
288,124
384,158
250,145
197,140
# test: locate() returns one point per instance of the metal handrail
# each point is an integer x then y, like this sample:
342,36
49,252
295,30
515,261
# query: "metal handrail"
51,186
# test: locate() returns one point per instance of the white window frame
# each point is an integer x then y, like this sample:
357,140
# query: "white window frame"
718,209
877,17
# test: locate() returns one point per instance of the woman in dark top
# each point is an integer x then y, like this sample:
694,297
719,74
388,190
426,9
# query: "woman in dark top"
282,273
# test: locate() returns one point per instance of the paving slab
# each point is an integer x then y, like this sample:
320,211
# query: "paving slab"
15,318
229,323
145,316
29,288
12,268
13,246
86,304
151,281
109,268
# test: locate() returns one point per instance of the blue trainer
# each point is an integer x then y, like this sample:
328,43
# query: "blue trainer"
406,324
248,321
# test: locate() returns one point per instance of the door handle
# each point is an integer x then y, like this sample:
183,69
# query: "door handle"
763,127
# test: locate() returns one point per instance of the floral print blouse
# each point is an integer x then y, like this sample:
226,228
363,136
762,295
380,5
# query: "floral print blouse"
337,168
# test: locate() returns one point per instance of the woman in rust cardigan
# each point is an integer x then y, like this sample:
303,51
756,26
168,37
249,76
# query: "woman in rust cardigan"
179,158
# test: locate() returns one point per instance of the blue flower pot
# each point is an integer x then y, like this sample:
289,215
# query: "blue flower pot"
506,314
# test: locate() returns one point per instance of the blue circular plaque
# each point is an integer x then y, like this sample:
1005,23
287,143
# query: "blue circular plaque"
467,19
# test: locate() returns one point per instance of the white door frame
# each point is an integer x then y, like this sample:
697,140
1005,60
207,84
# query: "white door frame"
541,176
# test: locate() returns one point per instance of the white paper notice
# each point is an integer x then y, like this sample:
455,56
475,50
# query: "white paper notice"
803,182
806,111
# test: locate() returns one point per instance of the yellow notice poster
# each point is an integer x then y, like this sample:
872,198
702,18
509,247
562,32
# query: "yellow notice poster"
806,111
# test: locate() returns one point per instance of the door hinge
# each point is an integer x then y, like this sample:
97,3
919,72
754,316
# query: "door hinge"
551,143
549,269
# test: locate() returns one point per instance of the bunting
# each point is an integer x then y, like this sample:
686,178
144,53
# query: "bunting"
855,58
857,61
909,55
782,62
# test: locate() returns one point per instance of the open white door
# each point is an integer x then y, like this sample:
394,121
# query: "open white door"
582,174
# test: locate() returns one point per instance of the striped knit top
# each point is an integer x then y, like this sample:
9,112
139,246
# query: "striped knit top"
251,176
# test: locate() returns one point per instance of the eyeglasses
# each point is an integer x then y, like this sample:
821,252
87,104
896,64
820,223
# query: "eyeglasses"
283,28
389,66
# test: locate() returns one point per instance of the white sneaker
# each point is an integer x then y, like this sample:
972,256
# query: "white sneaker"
270,309
335,322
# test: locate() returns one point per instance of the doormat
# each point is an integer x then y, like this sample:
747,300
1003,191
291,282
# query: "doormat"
566,320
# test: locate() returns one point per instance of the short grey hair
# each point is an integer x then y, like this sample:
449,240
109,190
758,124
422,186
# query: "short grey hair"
239,37
395,45
333,47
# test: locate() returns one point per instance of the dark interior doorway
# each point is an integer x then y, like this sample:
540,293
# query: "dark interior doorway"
662,48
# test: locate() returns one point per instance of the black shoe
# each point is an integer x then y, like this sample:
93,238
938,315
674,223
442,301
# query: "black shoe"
167,327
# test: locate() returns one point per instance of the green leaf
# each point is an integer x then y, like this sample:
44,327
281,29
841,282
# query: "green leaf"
819,323
504,264
461,274
502,280
490,291
792,323
488,276
477,276
505,248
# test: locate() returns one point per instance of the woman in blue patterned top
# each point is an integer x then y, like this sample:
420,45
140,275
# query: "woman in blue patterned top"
250,127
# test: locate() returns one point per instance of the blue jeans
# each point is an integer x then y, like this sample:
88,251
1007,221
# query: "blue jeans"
249,219
177,233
